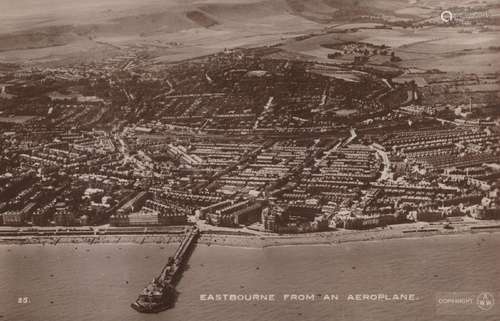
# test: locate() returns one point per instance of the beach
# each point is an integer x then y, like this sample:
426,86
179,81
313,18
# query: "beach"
405,231
261,240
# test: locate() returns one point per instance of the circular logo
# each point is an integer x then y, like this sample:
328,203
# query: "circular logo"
447,16
485,301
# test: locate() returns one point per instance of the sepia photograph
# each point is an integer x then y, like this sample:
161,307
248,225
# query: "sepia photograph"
244,160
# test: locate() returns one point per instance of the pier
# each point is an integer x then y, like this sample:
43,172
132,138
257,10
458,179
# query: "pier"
160,294
180,257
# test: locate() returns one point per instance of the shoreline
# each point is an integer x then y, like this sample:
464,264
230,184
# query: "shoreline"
98,239
211,238
332,239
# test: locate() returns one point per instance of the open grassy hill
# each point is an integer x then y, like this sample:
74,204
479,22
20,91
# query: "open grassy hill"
71,25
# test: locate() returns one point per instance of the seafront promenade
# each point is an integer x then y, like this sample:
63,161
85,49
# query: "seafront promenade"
253,240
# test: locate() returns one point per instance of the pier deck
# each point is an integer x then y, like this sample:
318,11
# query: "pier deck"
160,294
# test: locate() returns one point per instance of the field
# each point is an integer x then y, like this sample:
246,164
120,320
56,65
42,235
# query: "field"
447,49
70,27
27,14
60,31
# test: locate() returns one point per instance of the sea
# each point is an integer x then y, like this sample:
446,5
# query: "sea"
83,282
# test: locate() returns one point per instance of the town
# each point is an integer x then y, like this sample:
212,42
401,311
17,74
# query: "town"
242,140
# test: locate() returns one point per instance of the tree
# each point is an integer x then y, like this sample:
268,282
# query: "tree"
395,58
